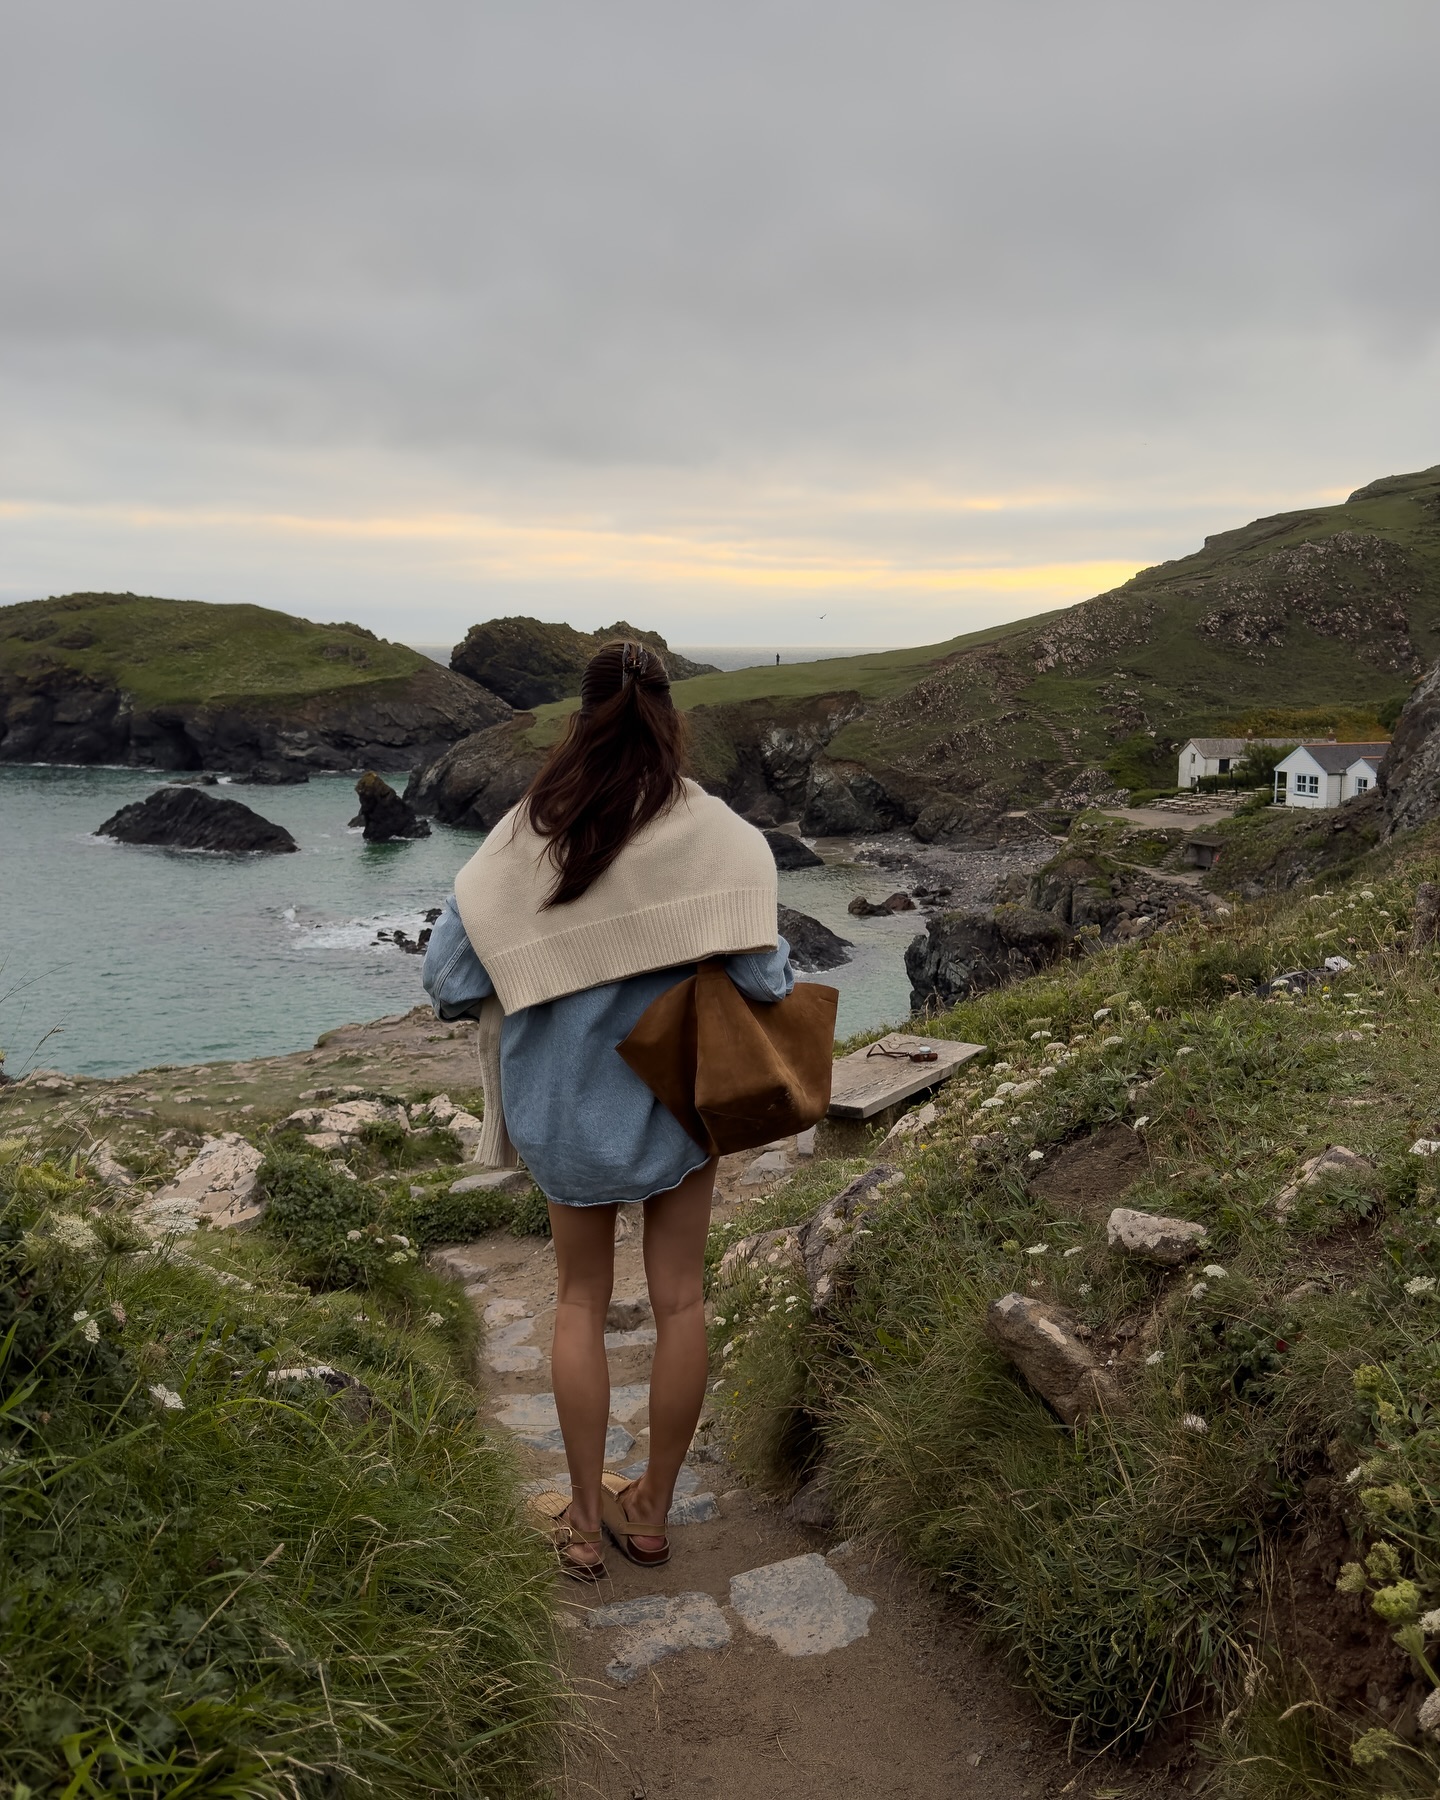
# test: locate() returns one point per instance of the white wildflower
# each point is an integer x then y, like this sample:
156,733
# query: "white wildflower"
433,1319
1193,1422
985,1105
726,1349
1198,1290
72,1232
397,1256
720,1319
1420,1284
166,1397
1101,1012
89,1329
1354,1474
1155,1357
1367,894
1111,1043
1005,1087
1039,1037
1037,1156
403,1242
1001,1068
1075,1250
1037,1249
352,1237
1142,1121
1084,1290
1213,1272
1186,1050
1430,1622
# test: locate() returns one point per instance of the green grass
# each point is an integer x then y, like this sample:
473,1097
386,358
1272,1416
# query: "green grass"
217,1580
1127,1570
168,651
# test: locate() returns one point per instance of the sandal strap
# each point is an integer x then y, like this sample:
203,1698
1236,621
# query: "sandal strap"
635,1530
574,1535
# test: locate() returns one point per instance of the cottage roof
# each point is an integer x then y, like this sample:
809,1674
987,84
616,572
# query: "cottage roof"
1335,759
1228,746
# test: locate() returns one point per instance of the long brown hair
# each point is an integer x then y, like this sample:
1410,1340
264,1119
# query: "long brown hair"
618,766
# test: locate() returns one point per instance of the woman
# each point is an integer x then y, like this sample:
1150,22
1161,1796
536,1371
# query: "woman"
606,885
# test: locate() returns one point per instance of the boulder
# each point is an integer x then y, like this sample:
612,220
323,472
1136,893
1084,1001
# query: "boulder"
474,783
1425,920
910,1125
1150,1237
1040,1341
791,852
877,909
104,1166
1409,776
761,1250
1332,1162
384,814
268,774
827,1238
217,1187
333,1127
628,1314
814,1504
530,663
494,1181
186,818
964,953
812,945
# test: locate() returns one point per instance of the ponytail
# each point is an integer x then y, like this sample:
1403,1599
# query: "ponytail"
619,765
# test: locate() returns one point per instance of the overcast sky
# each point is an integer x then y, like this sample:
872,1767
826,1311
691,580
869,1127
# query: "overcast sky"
755,323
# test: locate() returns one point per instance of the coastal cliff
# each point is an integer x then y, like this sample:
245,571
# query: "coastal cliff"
180,684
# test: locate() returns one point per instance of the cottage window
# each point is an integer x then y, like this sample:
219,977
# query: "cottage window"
1224,765
1307,784
1362,782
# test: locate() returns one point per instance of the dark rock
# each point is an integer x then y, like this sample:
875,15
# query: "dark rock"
964,953
844,797
184,818
790,853
1425,919
812,945
384,814
476,782
1409,775
529,663
269,774
814,1505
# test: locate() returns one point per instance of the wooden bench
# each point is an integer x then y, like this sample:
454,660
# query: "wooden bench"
865,1084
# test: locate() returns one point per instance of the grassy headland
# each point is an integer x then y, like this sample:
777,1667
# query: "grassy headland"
1327,613
164,652
1240,1552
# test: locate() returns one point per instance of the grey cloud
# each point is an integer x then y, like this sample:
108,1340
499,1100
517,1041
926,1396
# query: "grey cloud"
548,252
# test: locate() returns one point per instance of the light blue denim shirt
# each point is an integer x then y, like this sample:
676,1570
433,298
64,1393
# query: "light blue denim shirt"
585,1124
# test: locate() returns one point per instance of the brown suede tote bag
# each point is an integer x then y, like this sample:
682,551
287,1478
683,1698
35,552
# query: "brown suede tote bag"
736,1073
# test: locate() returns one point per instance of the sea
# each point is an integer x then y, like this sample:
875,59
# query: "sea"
115,957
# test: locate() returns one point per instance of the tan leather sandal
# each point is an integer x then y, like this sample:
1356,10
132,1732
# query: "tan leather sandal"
550,1510
620,1528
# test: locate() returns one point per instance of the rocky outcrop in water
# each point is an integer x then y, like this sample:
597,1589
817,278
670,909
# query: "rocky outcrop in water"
528,663
964,953
812,945
187,818
790,853
478,780
384,814
1409,777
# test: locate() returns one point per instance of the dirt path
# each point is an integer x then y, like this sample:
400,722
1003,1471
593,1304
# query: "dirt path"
766,1660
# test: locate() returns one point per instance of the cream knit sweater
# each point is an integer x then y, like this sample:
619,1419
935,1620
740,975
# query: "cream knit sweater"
696,882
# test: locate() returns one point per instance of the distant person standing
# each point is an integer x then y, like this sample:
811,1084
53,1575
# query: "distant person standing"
777,659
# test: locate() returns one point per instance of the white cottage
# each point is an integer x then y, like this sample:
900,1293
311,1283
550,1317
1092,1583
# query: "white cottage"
1215,756
1324,775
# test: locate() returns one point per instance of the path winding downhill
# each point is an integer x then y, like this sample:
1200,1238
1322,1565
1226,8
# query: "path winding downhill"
766,1660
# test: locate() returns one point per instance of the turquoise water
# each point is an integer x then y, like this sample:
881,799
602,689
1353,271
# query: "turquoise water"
115,957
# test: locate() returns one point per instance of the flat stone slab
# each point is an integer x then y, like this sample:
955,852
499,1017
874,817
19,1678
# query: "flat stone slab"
494,1181
506,1350
863,1085
801,1605
629,1400
686,1482
626,1340
654,1626
528,1412
618,1441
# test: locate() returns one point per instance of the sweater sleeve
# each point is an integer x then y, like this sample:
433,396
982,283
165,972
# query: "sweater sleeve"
763,975
454,977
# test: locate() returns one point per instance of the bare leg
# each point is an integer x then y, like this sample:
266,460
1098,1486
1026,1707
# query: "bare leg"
584,1272
676,1225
